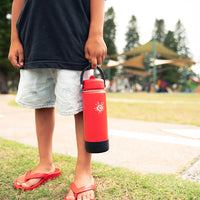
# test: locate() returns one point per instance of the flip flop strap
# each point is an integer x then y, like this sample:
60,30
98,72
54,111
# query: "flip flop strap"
81,189
29,176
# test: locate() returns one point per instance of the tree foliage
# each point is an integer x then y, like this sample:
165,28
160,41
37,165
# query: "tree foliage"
172,74
110,31
132,35
6,69
180,36
109,38
159,30
5,7
170,41
175,41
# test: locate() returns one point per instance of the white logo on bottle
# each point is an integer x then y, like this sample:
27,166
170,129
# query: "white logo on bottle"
99,107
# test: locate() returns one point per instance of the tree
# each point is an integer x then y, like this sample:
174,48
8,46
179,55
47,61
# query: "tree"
180,36
110,31
7,72
182,49
132,35
172,74
132,41
5,6
109,38
159,30
170,41
176,42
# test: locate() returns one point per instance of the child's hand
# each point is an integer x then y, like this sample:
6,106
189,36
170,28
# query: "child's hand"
16,54
95,50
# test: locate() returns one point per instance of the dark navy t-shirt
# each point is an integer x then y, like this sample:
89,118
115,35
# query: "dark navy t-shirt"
54,32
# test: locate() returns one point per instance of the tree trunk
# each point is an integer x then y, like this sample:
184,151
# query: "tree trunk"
3,83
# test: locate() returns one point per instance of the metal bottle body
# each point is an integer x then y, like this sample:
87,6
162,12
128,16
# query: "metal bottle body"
95,116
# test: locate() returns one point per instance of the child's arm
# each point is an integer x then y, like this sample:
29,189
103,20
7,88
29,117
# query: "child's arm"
95,48
16,54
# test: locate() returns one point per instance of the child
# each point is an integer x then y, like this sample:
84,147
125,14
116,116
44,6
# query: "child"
51,43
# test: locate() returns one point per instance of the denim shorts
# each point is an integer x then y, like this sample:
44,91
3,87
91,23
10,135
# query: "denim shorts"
44,88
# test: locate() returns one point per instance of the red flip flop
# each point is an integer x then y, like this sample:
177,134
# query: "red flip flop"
43,176
77,191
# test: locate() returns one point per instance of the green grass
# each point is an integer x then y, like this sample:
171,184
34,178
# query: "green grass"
13,103
167,108
187,97
112,183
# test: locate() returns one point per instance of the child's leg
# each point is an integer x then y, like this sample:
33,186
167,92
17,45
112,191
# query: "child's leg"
44,120
83,173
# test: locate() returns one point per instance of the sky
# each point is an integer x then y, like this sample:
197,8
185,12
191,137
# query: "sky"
147,11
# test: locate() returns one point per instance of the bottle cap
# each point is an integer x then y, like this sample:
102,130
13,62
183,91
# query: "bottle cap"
93,83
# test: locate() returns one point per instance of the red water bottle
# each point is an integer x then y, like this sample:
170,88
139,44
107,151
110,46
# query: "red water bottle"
95,114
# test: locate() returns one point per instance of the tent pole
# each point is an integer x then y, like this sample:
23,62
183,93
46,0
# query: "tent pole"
109,74
185,77
154,66
148,68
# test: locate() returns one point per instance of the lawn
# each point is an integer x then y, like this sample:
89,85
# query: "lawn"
112,183
167,108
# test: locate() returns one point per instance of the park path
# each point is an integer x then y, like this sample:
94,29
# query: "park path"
151,101
146,147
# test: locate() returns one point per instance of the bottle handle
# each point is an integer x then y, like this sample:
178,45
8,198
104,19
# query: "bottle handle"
89,67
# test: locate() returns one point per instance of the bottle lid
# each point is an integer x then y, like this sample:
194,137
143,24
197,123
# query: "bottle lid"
93,83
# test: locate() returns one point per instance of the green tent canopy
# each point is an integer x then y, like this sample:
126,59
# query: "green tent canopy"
148,48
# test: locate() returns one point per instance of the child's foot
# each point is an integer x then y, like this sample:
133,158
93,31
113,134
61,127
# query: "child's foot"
81,181
39,169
